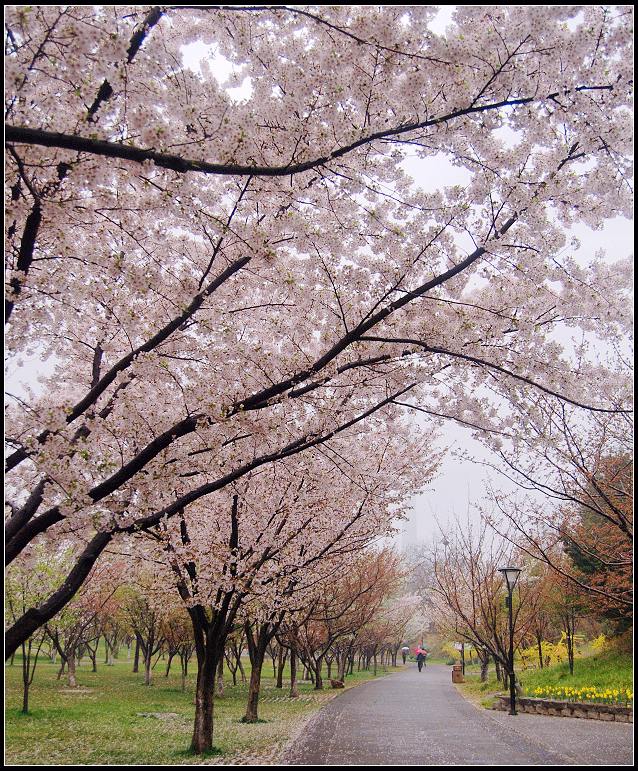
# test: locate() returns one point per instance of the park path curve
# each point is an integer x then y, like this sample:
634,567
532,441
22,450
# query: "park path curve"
412,718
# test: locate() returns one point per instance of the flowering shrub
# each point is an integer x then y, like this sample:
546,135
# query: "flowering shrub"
599,644
585,693
553,653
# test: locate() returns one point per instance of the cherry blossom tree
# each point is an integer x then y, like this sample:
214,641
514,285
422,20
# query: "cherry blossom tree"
574,496
343,607
79,624
468,591
145,612
177,632
282,532
224,283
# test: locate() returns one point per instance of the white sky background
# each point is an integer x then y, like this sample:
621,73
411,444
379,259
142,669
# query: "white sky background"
459,483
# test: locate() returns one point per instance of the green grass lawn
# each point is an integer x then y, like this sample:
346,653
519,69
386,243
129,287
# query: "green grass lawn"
100,721
604,670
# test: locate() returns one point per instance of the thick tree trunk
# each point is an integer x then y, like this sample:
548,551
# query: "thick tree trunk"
252,715
204,693
257,646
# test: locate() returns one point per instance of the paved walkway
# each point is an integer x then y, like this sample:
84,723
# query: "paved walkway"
420,719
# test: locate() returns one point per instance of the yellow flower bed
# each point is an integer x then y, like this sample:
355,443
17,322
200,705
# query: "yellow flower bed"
585,693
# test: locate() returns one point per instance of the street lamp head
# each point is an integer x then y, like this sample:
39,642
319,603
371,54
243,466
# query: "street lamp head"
511,576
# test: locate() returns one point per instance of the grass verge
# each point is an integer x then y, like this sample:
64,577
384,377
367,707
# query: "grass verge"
604,670
113,718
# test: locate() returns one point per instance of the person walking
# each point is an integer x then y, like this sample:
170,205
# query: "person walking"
420,659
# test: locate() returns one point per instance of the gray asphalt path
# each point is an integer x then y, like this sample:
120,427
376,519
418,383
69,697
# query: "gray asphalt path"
412,718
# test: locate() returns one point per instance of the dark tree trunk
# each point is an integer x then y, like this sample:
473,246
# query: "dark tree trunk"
148,660
26,655
204,693
210,639
484,658
539,642
294,691
257,647
343,663
252,715
281,663
570,642
184,664
136,658
318,678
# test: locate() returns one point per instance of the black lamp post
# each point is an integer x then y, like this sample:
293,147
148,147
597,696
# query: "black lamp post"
511,577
